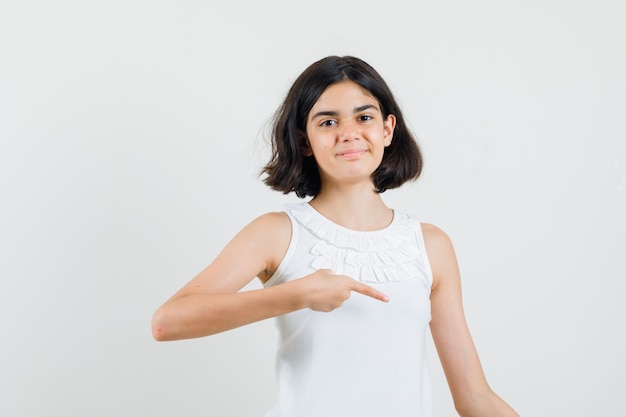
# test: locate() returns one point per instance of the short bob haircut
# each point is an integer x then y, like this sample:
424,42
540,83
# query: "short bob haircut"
289,170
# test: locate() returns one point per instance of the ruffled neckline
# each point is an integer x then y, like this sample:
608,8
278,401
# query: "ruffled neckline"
386,255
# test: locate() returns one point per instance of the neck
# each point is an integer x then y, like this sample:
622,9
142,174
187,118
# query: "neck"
356,208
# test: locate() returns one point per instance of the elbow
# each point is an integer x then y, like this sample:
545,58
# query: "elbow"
160,331
475,404
464,410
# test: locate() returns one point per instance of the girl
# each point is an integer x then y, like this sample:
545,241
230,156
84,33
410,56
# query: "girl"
352,283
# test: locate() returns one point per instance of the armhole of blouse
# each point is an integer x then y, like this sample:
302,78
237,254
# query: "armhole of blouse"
422,245
276,276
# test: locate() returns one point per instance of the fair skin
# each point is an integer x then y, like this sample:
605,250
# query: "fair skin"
347,134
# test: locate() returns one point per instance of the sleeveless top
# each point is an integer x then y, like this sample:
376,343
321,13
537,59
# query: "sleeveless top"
366,358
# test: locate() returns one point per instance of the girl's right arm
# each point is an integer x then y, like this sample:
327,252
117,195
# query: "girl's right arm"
211,302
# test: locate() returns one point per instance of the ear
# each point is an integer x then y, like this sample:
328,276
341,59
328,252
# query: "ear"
388,127
304,141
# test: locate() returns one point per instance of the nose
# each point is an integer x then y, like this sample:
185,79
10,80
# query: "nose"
348,131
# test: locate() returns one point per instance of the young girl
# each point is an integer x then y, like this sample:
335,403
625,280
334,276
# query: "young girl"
352,283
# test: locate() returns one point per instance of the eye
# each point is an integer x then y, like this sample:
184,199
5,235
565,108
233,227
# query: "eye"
327,123
365,118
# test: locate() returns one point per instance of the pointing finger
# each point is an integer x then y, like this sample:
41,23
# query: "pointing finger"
369,291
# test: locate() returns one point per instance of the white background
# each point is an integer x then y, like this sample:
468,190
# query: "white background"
131,136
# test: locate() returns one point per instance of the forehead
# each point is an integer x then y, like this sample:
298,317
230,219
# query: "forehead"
344,93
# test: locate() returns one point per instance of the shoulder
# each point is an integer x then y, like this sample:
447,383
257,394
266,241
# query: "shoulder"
434,237
271,234
262,236
269,226
440,251
272,218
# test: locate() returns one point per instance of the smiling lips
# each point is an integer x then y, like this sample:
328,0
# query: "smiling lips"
351,153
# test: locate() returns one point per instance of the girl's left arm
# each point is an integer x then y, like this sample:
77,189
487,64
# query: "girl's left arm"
470,391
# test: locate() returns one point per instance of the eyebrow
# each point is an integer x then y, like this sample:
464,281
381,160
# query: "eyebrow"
334,113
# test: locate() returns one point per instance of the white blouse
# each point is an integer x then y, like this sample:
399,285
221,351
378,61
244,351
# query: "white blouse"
366,358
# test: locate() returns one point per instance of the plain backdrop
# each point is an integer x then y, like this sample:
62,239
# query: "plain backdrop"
132,134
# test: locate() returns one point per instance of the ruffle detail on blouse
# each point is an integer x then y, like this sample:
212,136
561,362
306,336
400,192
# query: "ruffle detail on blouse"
387,255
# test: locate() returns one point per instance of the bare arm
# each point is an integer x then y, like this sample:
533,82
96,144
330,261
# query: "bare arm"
211,302
471,393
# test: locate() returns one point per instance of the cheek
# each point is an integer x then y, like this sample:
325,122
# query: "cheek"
320,145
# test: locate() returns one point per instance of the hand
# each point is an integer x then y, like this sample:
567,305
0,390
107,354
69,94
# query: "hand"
325,291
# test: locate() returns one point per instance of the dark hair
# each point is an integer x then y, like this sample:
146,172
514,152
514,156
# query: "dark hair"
290,170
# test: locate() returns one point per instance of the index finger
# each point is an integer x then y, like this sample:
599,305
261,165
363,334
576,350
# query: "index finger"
369,291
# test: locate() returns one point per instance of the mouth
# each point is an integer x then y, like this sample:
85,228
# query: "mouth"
351,153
